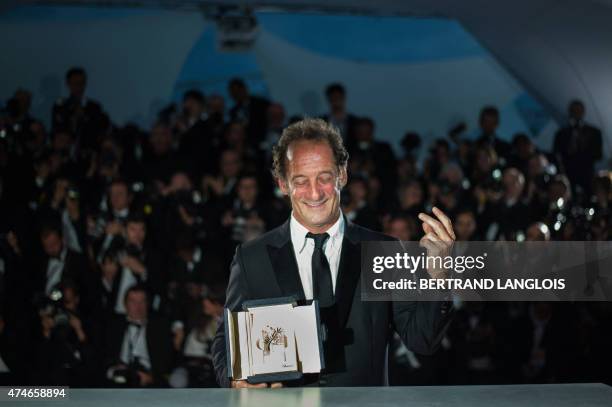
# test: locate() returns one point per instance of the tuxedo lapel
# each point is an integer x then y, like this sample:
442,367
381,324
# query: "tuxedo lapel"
349,271
284,265
286,270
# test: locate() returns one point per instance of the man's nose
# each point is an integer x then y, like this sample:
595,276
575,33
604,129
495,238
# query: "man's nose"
315,193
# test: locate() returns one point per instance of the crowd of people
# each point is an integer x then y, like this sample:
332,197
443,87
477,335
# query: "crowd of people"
116,242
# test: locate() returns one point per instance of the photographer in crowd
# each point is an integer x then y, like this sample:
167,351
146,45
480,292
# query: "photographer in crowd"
138,349
115,241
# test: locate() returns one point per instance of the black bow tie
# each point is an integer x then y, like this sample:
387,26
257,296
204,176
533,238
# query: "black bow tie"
135,324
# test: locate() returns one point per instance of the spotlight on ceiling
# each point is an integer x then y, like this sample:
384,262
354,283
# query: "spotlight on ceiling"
236,28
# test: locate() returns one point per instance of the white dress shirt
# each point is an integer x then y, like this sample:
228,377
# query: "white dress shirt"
303,249
55,270
135,340
128,279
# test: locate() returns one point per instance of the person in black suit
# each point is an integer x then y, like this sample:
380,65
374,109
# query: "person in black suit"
335,93
508,217
138,350
77,114
60,264
250,110
133,260
316,255
489,122
197,143
356,207
378,153
578,147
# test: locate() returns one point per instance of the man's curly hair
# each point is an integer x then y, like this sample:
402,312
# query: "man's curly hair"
316,130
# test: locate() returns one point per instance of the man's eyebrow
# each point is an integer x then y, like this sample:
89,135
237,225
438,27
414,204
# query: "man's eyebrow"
326,172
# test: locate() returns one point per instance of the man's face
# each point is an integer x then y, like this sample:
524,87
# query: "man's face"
364,132
230,164
358,190
161,140
399,229
313,182
276,116
215,104
235,135
62,141
237,92
337,101
489,123
525,148
536,165
576,111
247,190
52,244
136,306
211,308
465,225
412,196
119,196
136,233
180,182
193,108
513,183
71,299
24,98
76,85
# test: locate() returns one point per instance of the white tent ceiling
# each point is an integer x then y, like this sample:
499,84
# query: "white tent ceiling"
558,49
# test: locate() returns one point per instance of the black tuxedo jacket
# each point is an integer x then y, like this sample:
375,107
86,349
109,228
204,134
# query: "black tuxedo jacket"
349,130
76,270
159,346
579,153
355,354
258,118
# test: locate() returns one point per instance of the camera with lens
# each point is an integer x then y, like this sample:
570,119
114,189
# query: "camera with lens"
494,181
53,306
128,376
73,193
132,250
189,200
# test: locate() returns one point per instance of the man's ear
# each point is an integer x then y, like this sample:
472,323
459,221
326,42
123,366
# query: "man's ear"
343,179
282,185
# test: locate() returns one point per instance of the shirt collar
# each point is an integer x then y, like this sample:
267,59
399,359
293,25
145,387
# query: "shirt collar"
299,232
197,255
61,258
123,213
139,323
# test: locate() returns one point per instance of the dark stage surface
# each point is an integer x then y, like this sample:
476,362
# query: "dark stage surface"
556,395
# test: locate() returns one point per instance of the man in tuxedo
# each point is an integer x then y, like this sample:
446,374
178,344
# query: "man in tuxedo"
316,255
379,153
138,346
196,142
139,262
489,123
78,114
578,146
335,93
60,264
249,110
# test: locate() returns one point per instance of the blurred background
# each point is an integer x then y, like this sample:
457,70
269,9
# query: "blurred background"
135,154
